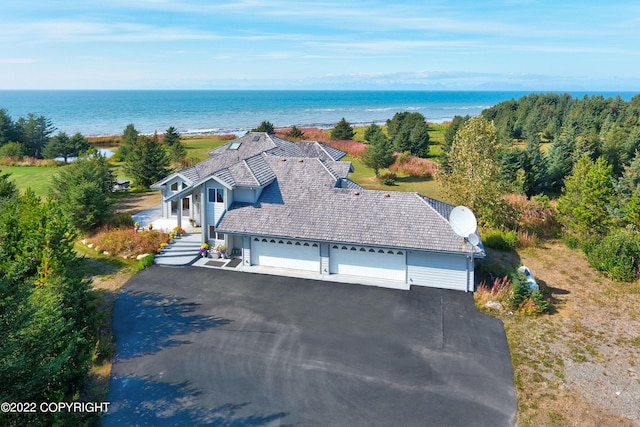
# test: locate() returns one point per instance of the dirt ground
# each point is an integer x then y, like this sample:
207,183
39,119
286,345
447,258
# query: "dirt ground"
133,203
577,366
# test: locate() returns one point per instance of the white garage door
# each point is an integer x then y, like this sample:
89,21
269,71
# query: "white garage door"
285,254
437,270
368,262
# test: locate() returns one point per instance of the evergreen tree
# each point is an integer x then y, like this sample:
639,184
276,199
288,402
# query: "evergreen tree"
584,208
265,126
176,149
295,132
129,138
379,153
560,161
371,131
47,317
409,132
34,133
63,146
83,190
7,188
7,128
536,172
147,161
342,131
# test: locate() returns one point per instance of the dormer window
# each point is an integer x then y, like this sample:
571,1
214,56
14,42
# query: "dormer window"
174,187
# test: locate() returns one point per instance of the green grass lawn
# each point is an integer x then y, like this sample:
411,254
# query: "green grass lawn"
198,146
38,178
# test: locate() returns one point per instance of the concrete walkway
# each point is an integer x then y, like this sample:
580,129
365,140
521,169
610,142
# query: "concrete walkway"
183,251
299,274
154,216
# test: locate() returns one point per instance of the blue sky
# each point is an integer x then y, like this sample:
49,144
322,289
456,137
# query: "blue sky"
276,44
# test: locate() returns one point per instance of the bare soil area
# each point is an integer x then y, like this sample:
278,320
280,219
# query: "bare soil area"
132,203
578,365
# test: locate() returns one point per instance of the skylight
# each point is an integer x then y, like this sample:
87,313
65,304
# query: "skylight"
234,145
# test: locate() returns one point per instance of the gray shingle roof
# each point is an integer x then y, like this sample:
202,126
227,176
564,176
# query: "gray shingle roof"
322,151
302,199
302,203
339,169
260,169
245,163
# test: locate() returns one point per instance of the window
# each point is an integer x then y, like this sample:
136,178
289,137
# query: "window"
212,232
216,195
219,236
174,207
234,145
174,186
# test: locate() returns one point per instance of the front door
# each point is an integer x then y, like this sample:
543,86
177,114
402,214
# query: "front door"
185,207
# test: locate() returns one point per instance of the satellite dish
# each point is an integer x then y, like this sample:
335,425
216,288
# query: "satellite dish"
473,239
463,221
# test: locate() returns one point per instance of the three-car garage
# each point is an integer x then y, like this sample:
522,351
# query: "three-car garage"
396,265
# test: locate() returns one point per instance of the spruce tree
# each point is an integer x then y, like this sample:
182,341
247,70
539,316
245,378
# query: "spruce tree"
175,148
147,161
379,153
342,131
584,208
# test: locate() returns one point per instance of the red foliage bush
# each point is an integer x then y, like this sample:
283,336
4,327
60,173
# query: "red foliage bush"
128,241
534,216
414,166
353,148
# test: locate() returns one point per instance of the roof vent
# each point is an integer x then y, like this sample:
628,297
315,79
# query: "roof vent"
283,160
300,161
386,195
356,193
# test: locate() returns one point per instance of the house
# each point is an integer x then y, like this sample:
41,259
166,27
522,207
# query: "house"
276,203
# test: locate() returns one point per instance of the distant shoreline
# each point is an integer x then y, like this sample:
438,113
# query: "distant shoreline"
210,113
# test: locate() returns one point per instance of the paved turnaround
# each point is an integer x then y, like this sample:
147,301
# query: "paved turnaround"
198,346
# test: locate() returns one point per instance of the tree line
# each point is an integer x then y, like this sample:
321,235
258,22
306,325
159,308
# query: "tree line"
33,136
590,169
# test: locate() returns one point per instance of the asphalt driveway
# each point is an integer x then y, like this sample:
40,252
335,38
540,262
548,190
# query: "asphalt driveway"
198,346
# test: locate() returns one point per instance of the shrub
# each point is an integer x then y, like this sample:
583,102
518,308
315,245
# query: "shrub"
353,148
12,149
145,262
520,291
121,220
524,239
496,292
388,175
498,239
411,165
617,255
127,242
536,215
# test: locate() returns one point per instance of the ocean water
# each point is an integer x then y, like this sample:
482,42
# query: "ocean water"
95,112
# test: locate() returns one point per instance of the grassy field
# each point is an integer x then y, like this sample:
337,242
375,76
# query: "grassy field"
198,146
38,178
366,177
